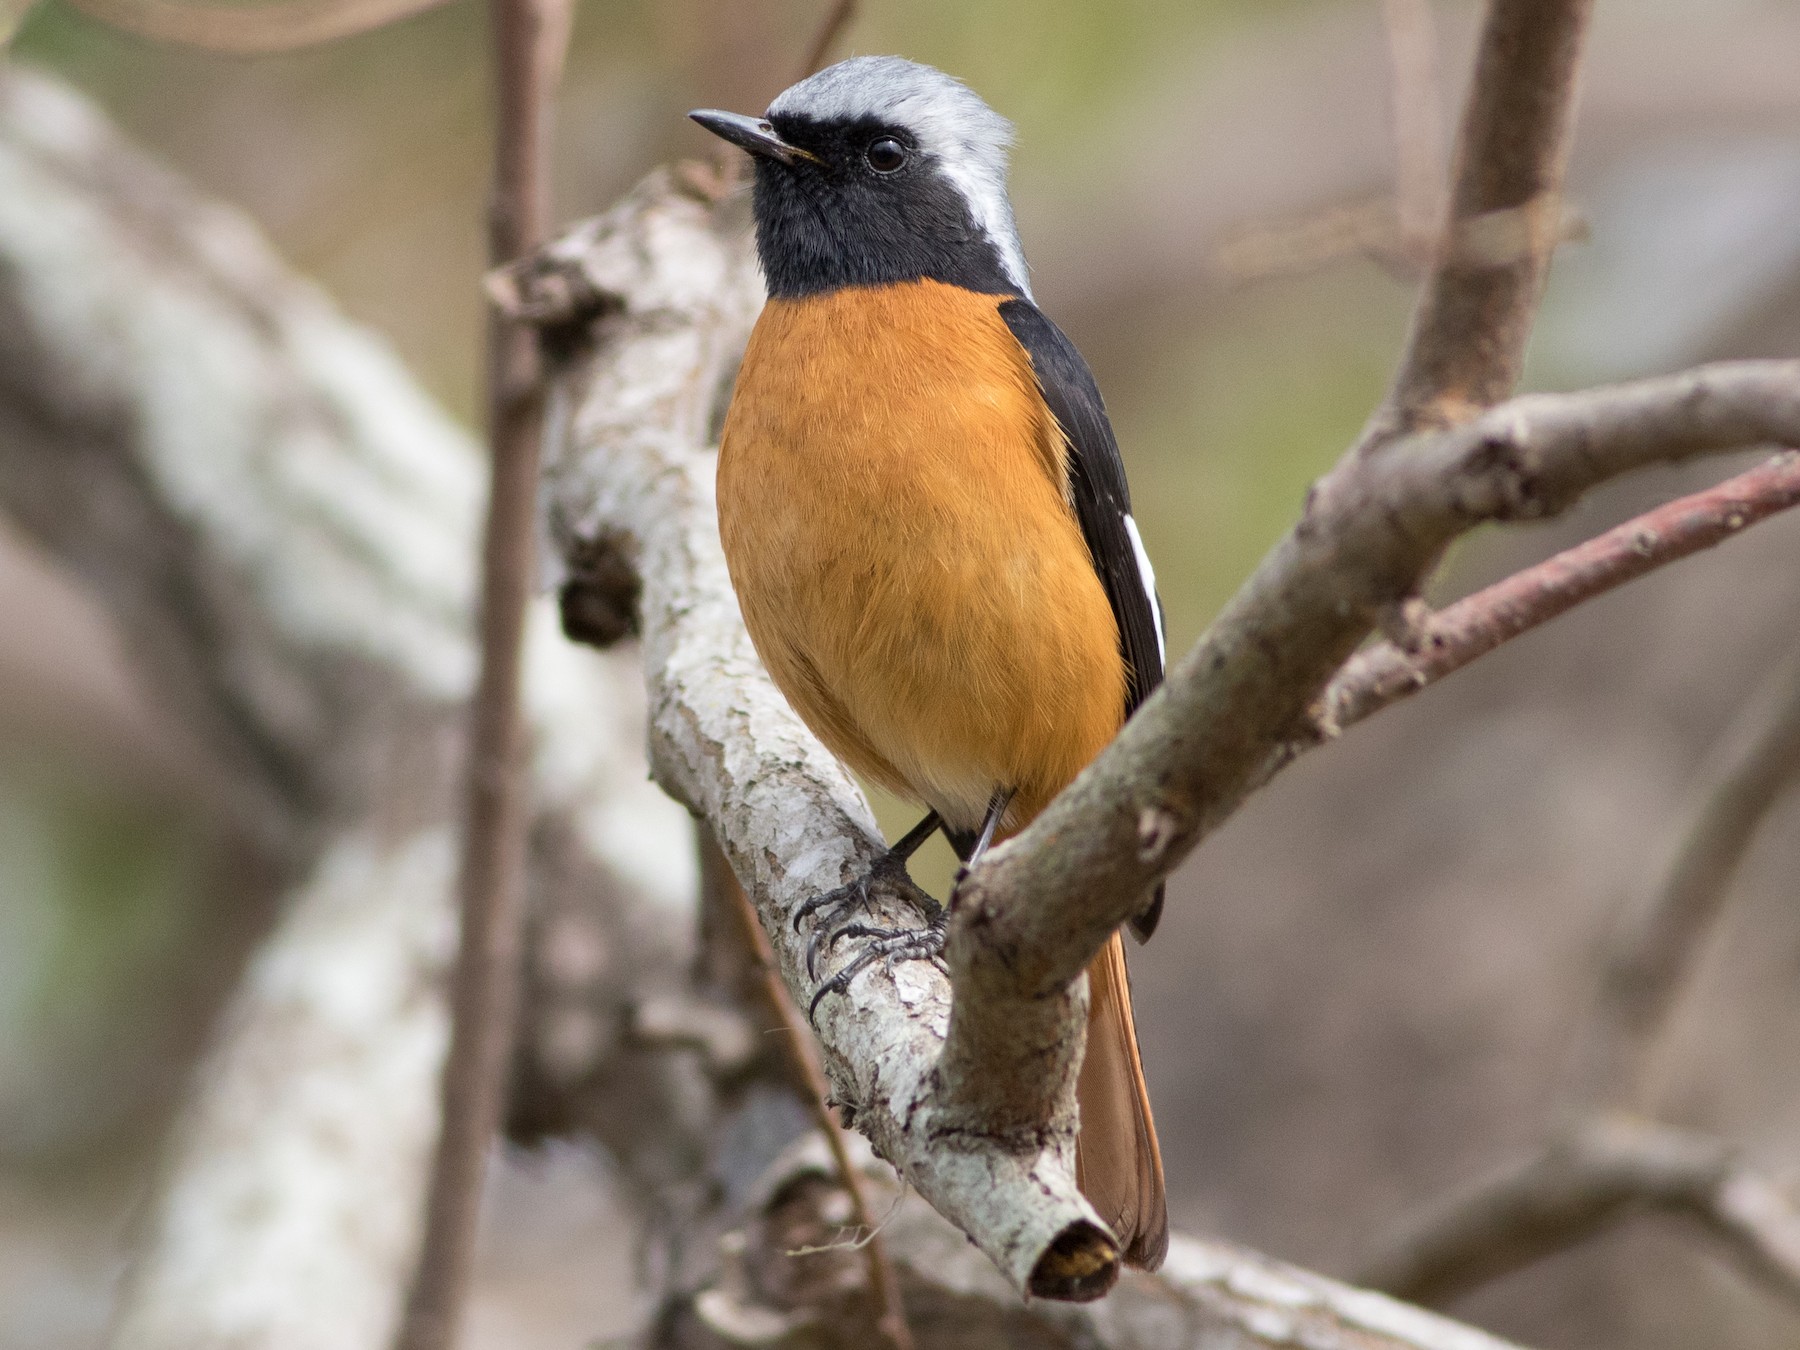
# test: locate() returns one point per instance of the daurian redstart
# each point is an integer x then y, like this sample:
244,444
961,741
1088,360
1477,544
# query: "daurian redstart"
925,514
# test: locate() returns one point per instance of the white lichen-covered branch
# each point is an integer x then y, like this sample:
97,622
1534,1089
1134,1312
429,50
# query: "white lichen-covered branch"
1208,1295
282,526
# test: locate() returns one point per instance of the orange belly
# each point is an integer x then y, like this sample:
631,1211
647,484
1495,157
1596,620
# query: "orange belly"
893,512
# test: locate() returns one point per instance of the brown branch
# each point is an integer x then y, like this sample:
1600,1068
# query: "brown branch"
1474,626
1468,333
1651,962
884,1283
831,28
529,38
251,29
1594,1173
1372,529
1606,1164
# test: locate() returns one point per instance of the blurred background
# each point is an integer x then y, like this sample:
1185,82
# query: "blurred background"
1363,989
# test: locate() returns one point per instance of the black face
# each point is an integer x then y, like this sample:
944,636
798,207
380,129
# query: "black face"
871,208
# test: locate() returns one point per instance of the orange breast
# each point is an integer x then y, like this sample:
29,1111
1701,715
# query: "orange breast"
893,510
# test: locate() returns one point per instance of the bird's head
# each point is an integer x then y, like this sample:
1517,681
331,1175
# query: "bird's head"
879,170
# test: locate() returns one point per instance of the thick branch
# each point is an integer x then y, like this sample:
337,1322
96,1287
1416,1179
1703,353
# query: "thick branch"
1209,1295
1587,1177
281,527
1371,530
1473,626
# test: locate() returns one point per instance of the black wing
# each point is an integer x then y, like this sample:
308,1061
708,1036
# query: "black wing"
1103,506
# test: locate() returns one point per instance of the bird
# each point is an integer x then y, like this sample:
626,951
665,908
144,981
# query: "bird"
925,515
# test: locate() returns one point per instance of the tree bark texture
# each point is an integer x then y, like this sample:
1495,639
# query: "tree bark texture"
283,527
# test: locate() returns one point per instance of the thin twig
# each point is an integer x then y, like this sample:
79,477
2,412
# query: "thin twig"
884,1283
1473,626
1295,245
733,166
1606,1164
529,39
251,29
1588,1176
1654,957
831,28
1418,124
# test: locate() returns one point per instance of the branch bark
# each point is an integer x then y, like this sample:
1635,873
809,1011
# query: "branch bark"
1468,332
282,527
1604,1164
1450,639
1208,1294
1595,1172
891,1318
528,41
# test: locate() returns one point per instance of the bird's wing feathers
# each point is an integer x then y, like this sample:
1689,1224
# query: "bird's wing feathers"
1103,506
1097,484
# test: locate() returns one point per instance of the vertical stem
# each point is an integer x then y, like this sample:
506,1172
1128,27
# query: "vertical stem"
528,39
884,1282
1474,315
1655,954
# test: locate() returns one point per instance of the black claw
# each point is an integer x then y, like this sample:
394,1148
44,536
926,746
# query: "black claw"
889,945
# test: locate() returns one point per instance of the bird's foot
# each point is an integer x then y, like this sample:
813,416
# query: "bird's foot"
888,945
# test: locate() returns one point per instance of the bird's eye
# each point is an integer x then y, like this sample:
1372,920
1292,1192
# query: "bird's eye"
886,155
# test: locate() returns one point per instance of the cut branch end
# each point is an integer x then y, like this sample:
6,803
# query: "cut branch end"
1081,1265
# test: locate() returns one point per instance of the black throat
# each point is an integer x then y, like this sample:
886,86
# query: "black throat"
821,226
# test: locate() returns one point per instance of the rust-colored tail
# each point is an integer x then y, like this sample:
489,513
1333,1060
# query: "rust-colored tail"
1117,1162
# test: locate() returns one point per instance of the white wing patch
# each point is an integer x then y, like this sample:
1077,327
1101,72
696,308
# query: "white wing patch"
1147,574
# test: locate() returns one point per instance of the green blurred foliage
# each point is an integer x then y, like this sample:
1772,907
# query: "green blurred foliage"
1230,427
99,921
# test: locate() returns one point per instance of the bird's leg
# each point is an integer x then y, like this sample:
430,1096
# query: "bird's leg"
892,945
855,894
997,805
